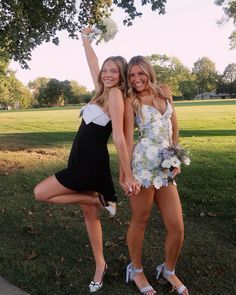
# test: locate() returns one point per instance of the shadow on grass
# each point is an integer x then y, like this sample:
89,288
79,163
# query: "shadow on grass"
21,141
189,133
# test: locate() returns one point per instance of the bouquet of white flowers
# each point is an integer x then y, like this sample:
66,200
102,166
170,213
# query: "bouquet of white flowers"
172,157
109,32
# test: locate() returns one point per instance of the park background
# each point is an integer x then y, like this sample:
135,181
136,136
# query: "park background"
44,248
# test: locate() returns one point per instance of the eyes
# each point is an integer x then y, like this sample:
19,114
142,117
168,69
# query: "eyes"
138,74
112,71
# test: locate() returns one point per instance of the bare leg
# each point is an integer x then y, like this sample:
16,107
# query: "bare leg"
168,202
51,191
94,230
141,205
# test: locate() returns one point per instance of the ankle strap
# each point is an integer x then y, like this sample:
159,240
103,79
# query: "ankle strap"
168,272
102,200
137,270
133,269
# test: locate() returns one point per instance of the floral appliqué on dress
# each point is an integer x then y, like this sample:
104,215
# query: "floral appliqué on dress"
155,133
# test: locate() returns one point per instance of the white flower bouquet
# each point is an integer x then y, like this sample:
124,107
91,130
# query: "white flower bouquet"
172,157
105,32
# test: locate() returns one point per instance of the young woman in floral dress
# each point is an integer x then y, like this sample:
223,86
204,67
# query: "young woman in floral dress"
151,108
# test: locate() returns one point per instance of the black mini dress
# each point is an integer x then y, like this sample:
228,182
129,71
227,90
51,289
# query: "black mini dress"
89,164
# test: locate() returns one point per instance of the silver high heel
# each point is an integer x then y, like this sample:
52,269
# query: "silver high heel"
95,286
130,274
108,205
163,271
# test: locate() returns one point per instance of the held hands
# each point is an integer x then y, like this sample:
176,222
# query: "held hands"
129,185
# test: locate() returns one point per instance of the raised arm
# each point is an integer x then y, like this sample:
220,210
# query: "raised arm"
116,111
91,57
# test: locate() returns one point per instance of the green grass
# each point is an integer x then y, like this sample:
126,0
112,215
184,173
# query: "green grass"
44,248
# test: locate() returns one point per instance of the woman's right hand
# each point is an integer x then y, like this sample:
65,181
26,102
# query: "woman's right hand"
131,185
86,31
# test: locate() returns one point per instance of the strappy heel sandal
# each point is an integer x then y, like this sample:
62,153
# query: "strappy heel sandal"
162,271
109,206
95,286
130,274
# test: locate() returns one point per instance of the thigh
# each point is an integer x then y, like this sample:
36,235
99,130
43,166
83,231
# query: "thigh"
141,203
168,202
51,187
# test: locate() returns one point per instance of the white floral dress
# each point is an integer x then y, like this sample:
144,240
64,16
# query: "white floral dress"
155,133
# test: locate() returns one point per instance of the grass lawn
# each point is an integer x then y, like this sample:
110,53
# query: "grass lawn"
44,248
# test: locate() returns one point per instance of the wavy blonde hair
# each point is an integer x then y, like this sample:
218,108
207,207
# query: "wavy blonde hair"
153,85
102,93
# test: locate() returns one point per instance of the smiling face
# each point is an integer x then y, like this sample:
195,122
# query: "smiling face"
138,79
110,74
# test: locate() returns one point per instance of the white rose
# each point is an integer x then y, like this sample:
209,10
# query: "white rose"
175,162
186,160
166,164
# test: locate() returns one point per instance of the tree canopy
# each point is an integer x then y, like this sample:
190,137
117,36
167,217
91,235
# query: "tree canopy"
12,92
26,24
229,7
170,70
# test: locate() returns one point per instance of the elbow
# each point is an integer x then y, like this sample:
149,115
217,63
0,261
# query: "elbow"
117,139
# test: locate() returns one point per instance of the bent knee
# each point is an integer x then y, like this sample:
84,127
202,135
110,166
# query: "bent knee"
38,193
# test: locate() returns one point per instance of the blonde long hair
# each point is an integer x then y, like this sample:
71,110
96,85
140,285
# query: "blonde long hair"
153,85
102,93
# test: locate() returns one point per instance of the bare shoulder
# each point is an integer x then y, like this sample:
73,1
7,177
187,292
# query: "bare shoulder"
167,92
114,92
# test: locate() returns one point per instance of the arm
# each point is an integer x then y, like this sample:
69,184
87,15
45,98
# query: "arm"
91,57
175,128
116,111
129,125
128,132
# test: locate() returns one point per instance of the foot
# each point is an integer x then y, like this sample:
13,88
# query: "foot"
100,272
109,206
170,276
97,282
141,282
177,284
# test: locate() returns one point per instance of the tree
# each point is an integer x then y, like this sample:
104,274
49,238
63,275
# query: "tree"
227,81
229,74
206,75
51,94
26,24
171,71
73,92
229,7
12,92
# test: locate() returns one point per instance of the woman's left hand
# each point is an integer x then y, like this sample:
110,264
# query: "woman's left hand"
176,171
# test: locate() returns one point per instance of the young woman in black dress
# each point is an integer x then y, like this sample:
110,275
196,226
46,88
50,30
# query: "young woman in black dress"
87,179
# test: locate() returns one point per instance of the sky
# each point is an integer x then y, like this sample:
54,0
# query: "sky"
188,31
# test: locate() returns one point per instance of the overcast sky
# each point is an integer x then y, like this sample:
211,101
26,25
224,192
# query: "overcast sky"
188,31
